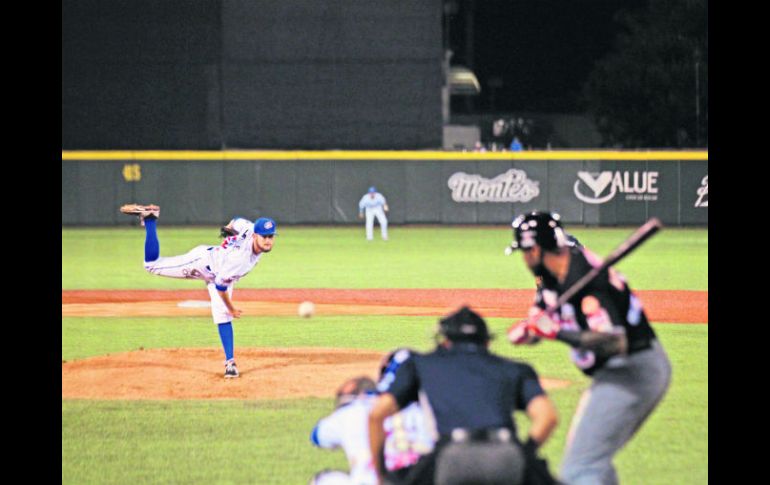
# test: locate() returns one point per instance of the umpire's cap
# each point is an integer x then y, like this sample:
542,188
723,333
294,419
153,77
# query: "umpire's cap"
541,228
352,388
264,226
464,325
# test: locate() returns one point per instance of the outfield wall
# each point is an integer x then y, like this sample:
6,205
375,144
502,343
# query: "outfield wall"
324,187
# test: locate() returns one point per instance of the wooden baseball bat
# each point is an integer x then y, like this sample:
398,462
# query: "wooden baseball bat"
644,232
634,241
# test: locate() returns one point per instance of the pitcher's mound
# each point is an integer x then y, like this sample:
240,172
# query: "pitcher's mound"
277,373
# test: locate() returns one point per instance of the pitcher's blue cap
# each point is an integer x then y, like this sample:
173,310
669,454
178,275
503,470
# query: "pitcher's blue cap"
372,189
264,226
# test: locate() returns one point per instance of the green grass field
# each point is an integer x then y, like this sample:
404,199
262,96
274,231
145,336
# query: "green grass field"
325,257
261,442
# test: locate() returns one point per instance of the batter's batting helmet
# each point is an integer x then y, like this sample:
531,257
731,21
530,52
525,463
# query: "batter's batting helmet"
352,388
541,228
464,325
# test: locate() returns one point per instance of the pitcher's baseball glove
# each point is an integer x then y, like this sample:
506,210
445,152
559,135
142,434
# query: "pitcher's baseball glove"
227,231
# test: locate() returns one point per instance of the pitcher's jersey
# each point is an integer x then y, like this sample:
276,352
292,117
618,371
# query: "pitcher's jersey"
232,260
244,227
221,265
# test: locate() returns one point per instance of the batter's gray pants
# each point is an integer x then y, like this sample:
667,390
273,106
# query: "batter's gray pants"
475,463
621,397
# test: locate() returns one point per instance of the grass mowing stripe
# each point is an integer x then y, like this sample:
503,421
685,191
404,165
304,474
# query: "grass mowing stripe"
267,441
192,442
414,257
90,336
84,337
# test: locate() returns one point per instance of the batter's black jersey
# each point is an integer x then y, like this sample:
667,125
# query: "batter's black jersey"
467,387
617,306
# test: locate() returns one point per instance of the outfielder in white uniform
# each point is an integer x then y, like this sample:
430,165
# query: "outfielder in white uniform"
219,266
407,435
374,205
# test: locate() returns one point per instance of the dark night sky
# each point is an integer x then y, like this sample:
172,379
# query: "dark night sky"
542,50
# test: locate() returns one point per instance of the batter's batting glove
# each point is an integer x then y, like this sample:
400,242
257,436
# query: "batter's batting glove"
542,325
519,334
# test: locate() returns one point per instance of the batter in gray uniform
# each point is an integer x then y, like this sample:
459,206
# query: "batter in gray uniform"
630,377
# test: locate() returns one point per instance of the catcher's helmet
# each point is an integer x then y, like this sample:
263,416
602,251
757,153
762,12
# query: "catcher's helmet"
353,388
464,325
541,228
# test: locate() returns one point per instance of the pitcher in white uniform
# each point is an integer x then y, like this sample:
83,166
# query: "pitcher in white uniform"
219,266
374,205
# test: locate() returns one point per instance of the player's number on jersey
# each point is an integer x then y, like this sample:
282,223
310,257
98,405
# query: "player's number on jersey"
132,172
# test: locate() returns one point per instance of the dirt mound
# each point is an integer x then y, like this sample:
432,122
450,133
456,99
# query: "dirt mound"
266,373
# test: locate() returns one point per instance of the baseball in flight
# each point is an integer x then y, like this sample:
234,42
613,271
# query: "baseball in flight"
306,309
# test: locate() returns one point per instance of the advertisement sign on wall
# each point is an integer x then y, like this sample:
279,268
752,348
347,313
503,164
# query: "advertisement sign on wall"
703,193
511,186
424,190
601,187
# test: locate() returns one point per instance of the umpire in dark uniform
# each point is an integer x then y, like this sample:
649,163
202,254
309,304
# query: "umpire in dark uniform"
470,395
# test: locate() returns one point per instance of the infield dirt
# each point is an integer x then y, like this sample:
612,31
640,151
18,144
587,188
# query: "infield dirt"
276,373
660,305
283,373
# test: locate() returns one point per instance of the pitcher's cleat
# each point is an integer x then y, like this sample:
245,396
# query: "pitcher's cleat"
143,211
231,370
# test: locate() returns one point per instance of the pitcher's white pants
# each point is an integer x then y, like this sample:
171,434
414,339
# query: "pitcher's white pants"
193,265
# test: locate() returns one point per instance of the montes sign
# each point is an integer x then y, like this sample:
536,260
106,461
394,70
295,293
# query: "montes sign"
512,186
